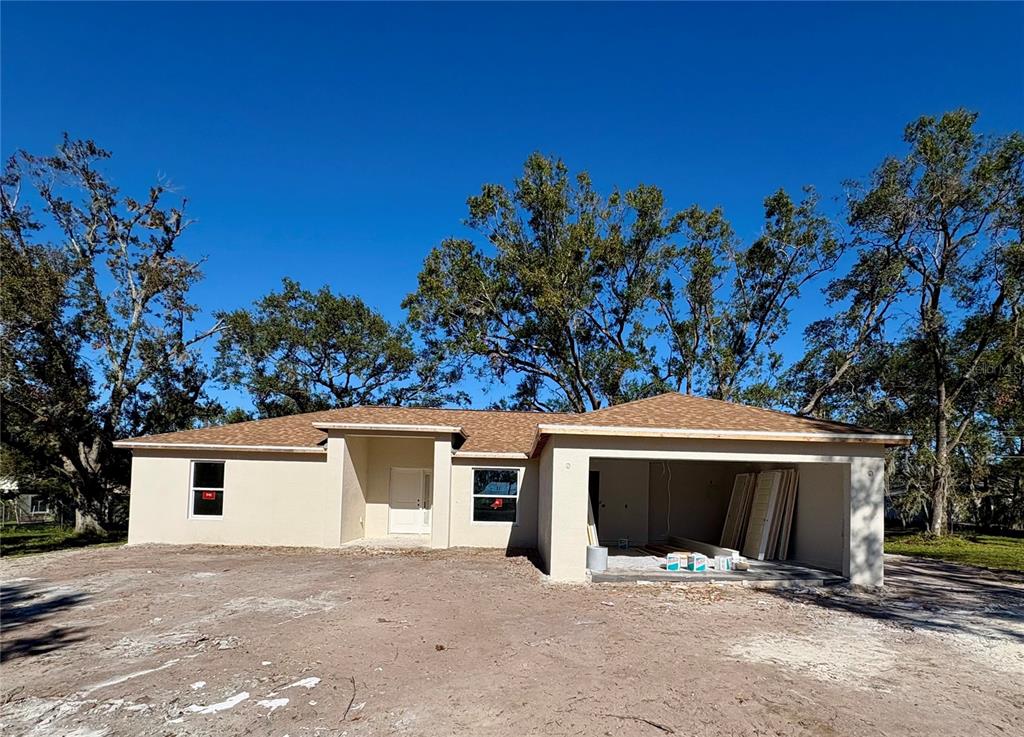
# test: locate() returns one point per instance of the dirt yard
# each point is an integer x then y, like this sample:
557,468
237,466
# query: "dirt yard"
206,641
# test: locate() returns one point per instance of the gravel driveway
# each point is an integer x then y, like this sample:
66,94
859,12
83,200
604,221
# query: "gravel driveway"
214,641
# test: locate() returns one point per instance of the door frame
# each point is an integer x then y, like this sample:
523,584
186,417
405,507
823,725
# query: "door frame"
426,506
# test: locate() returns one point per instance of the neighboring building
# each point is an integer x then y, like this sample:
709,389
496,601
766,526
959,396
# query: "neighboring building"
23,508
657,468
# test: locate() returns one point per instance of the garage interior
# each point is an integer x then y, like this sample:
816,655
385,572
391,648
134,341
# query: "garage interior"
644,509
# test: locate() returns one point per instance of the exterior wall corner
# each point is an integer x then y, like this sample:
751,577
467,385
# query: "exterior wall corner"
440,516
863,558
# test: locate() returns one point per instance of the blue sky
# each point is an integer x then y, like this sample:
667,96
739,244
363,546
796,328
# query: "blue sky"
338,143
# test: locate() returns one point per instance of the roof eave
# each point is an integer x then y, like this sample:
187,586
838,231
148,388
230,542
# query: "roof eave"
141,445
490,454
695,434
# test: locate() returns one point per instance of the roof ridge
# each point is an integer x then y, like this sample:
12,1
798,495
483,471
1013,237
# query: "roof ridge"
734,405
253,421
456,409
792,415
626,404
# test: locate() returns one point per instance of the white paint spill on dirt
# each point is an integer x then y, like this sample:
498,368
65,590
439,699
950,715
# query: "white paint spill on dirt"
87,732
128,677
310,682
229,703
296,608
272,704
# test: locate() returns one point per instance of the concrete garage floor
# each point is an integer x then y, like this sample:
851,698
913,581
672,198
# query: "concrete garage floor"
217,641
640,565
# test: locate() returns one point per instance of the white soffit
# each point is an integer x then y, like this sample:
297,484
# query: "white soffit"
220,446
675,432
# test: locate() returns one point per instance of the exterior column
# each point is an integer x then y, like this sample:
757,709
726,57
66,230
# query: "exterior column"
863,561
332,509
440,513
567,541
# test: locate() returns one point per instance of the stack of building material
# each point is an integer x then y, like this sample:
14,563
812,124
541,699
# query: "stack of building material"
739,510
784,512
761,514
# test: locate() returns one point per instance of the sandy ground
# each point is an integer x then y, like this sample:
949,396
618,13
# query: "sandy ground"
206,641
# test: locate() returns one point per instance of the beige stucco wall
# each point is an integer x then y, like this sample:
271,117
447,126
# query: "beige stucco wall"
624,495
544,478
269,499
566,528
865,521
699,500
818,536
355,478
385,453
465,532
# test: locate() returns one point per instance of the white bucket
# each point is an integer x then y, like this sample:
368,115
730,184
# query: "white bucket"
597,558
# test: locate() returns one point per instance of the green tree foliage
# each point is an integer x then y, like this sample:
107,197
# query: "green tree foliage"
94,311
301,351
725,306
558,299
939,236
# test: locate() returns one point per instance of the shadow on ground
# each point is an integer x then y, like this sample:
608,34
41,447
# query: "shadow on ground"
937,596
530,555
22,606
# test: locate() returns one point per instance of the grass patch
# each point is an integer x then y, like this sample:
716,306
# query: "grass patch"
18,540
989,551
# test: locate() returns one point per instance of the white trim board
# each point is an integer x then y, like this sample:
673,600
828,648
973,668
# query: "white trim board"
494,455
384,427
220,446
676,432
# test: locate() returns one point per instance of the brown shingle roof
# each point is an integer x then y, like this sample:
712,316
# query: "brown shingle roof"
488,431
494,431
682,411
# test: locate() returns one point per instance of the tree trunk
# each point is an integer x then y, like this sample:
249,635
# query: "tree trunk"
940,474
87,523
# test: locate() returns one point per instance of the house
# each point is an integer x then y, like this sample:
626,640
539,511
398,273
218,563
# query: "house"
652,470
18,507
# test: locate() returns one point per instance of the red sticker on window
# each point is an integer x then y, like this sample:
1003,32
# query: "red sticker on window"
209,496
497,504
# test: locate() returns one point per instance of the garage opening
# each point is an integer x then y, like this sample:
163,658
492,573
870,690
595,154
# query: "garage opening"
645,509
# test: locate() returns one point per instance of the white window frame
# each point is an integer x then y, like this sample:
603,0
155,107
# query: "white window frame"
193,489
31,503
517,496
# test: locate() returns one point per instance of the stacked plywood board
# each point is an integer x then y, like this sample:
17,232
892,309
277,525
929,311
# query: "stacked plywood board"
760,514
739,510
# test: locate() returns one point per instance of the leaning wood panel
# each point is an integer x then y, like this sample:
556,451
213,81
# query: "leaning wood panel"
735,516
787,527
755,544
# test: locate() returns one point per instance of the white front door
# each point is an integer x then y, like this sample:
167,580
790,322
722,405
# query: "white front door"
409,501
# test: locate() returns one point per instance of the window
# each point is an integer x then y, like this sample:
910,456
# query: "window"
495,493
207,488
38,505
